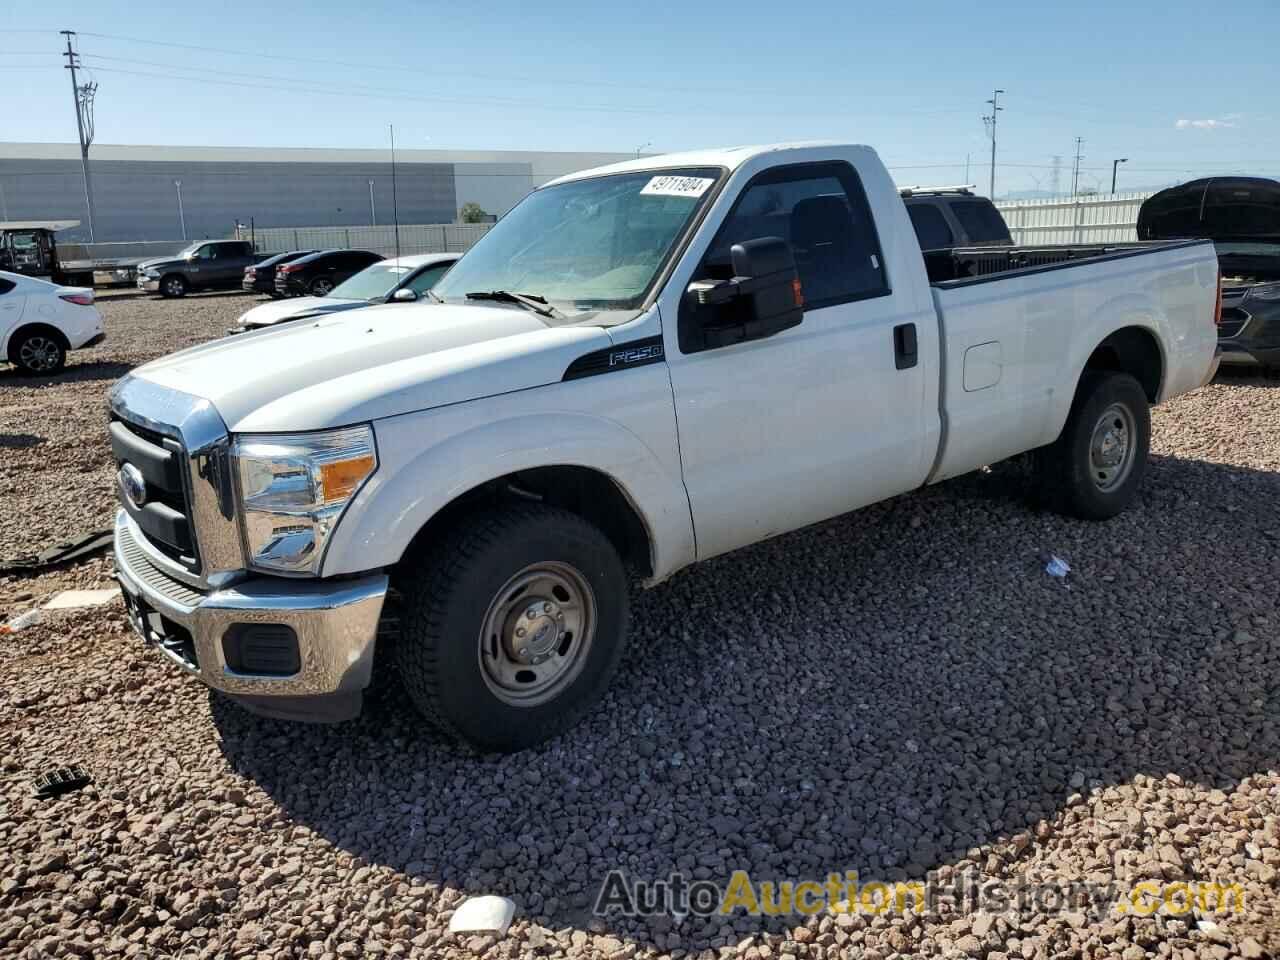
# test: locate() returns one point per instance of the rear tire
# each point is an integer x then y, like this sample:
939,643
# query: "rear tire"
513,624
173,286
321,286
1095,467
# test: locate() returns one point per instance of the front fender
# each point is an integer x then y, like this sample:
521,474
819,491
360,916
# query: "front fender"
427,460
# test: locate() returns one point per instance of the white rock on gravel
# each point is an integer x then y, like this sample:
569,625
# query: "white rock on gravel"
483,915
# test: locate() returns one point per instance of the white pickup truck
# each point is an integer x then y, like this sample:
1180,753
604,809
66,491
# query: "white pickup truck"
639,367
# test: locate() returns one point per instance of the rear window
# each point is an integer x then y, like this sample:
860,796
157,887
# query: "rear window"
981,221
931,226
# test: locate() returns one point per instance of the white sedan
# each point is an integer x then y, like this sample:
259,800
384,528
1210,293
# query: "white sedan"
397,280
41,321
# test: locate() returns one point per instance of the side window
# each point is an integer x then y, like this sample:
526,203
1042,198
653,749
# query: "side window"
427,278
6,286
821,210
931,226
981,221
208,252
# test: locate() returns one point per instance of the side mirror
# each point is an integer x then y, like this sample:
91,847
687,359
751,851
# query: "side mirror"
404,295
763,298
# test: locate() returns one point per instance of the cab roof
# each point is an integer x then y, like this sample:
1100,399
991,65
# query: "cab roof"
729,157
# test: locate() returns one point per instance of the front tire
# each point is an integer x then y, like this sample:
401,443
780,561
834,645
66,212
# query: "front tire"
173,286
513,625
1095,467
321,286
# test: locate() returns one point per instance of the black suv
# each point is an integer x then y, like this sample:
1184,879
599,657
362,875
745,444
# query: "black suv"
1241,215
318,273
946,217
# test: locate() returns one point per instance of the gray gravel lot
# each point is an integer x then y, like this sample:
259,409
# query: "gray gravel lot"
897,691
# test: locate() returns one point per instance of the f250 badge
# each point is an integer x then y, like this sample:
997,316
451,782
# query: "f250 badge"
643,354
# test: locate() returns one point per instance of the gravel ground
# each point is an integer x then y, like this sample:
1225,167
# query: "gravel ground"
897,691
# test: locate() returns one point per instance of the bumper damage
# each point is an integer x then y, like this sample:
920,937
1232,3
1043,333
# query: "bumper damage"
297,649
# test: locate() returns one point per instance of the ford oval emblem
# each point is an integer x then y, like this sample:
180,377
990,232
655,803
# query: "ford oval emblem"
133,484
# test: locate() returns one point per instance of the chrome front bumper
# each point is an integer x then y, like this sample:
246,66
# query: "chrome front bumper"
335,623
152,286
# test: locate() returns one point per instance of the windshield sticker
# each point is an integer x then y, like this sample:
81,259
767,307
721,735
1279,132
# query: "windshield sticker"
668,186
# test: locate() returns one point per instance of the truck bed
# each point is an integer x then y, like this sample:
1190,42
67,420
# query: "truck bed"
979,264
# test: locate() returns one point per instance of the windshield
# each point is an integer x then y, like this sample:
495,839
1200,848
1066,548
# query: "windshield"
585,245
23,241
371,282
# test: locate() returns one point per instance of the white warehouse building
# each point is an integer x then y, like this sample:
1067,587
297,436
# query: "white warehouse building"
178,193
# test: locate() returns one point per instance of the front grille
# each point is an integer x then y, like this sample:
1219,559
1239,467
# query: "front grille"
164,513
1233,322
140,566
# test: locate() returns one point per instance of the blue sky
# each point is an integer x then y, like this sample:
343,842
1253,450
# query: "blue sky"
1173,87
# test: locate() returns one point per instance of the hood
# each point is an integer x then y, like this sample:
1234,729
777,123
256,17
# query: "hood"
372,363
297,308
162,262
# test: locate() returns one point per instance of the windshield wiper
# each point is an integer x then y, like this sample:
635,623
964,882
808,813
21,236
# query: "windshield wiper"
531,301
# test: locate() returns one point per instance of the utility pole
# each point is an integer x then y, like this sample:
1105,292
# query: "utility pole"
966,168
182,217
83,97
395,205
1114,165
991,122
1056,176
1075,172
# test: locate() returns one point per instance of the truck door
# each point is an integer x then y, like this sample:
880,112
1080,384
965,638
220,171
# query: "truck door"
824,417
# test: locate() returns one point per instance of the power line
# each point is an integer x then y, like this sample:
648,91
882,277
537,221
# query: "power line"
991,123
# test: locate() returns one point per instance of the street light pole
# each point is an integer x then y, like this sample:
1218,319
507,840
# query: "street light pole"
373,213
641,147
1114,165
182,217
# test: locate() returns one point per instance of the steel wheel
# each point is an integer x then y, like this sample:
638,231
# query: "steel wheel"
40,354
1112,447
537,633
173,287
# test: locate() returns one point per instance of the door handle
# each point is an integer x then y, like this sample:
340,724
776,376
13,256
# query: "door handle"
906,352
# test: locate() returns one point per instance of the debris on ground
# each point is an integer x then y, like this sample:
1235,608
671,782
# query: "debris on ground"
60,780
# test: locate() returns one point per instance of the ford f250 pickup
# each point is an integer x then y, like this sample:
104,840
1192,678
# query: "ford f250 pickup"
639,367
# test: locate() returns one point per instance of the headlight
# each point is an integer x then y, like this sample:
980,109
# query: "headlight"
1263,291
293,488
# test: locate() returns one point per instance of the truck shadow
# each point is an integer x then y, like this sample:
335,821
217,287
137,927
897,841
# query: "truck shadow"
880,693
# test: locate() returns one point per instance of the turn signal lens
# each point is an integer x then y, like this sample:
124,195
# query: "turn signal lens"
798,292
341,478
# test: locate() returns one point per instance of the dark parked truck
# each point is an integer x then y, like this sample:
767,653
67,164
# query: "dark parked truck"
639,367
28,247
1241,215
208,265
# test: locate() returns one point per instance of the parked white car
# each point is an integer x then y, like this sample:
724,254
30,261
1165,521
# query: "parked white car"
41,321
641,366
397,280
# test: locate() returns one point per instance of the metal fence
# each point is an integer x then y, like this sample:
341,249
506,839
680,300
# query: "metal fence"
414,238
1109,218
